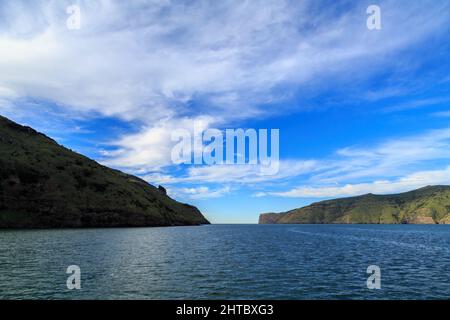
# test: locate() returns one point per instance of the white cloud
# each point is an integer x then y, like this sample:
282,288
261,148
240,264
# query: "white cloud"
388,165
150,148
201,193
391,166
237,174
147,61
409,182
443,114
422,103
391,158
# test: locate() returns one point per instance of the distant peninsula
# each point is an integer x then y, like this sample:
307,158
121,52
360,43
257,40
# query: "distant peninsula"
428,205
45,185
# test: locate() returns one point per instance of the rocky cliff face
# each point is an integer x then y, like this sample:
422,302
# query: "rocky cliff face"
268,218
44,185
429,205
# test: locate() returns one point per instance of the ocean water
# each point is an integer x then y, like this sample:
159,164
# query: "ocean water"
228,262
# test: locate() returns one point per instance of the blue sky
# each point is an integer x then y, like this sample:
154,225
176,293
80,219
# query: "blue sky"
358,110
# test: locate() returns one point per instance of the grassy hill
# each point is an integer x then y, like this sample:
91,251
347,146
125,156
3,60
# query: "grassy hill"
44,185
427,205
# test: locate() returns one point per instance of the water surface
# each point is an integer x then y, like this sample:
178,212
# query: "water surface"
228,262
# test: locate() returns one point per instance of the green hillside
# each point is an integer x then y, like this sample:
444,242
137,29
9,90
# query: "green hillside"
428,205
44,185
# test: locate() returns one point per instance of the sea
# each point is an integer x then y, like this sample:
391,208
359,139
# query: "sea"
299,262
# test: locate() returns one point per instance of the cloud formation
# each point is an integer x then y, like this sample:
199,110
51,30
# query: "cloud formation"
409,182
392,166
200,193
162,62
163,65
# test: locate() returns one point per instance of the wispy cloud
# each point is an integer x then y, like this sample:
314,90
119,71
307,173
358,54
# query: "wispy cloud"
393,157
421,103
163,65
443,114
409,182
390,166
150,148
238,174
156,62
200,193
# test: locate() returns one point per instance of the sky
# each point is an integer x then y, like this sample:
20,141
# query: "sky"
358,110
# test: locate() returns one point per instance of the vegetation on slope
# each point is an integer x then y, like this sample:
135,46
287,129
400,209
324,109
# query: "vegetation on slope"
427,205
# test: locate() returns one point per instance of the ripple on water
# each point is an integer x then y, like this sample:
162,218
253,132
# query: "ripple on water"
228,262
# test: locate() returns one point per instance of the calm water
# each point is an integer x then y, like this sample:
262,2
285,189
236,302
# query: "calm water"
228,262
